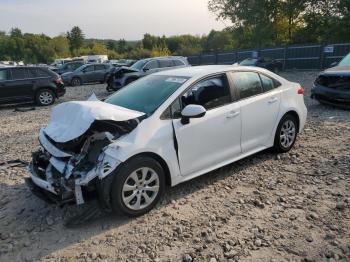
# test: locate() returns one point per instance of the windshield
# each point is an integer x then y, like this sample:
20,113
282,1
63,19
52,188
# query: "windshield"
345,61
248,62
147,94
139,64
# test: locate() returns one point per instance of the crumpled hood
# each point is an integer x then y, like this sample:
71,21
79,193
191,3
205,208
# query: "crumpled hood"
72,119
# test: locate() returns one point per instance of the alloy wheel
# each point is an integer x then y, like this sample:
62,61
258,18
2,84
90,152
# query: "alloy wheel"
287,134
140,188
45,98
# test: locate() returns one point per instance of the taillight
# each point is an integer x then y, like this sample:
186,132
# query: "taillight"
58,81
301,90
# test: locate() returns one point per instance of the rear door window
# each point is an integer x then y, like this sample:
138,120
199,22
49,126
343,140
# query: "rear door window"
19,73
267,83
165,63
99,67
4,74
248,84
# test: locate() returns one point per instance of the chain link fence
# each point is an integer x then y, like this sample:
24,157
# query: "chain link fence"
303,57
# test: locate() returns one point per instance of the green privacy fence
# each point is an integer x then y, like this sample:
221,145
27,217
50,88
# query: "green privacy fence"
307,57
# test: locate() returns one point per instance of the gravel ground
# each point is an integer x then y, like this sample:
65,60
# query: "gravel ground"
288,207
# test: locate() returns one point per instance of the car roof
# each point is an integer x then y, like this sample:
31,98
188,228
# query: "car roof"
197,70
201,71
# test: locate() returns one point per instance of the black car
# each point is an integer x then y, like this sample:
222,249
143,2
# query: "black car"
68,67
39,84
332,86
264,62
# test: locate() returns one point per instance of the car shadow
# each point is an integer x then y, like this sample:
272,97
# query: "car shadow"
21,106
27,213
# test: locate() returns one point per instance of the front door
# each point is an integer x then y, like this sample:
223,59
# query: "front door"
215,138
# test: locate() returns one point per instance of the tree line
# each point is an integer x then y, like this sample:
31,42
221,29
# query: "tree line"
254,24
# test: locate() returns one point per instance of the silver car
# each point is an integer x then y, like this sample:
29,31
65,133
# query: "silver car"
89,73
123,76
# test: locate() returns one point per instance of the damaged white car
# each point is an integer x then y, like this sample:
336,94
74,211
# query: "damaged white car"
162,130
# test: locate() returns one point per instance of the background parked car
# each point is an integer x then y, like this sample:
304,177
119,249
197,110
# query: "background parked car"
264,62
39,84
332,86
125,75
68,67
89,73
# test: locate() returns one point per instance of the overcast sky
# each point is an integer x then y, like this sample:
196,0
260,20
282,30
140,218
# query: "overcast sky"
114,19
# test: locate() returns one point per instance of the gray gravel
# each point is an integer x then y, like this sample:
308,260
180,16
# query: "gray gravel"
289,207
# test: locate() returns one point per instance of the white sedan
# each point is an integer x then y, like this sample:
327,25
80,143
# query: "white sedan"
162,130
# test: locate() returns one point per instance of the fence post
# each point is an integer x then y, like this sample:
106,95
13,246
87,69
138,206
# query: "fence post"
322,55
284,57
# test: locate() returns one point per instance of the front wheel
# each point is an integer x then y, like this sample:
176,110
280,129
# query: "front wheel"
286,134
137,186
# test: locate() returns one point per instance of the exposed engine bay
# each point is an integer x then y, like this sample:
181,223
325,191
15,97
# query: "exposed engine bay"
65,170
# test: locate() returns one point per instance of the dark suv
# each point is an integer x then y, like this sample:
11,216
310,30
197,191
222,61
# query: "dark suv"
39,84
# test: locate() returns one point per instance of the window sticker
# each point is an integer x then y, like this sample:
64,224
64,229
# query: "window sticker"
176,80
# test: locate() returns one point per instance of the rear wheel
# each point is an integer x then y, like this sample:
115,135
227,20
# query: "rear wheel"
137,186
45,97
286,134
76,81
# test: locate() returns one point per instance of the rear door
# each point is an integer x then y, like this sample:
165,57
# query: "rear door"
260,102
100,71
5,90
88,74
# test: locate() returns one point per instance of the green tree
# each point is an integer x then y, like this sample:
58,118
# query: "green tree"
76,39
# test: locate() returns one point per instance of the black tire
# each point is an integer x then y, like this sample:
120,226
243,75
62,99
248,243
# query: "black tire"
76,81
122,176
129,80
105,79
280,144
45,97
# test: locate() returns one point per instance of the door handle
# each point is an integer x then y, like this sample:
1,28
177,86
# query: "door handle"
232,114
273,100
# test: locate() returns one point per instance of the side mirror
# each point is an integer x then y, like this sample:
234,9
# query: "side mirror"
334,64
192,111
145,69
